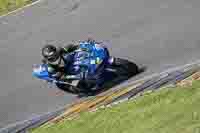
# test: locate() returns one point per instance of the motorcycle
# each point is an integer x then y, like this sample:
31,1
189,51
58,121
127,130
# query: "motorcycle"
107,69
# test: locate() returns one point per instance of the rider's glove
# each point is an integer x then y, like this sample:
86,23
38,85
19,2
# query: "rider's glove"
57,75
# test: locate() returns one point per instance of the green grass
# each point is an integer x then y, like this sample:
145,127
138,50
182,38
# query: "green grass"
172,110
10,5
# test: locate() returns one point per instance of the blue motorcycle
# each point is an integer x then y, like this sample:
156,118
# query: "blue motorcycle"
101,66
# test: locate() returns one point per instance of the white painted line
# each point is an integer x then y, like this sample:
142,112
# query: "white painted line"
19,9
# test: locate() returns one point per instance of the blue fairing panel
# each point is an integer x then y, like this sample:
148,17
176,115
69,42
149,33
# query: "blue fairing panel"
41,71
91,55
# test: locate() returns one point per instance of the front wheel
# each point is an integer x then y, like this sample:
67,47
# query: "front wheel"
68,88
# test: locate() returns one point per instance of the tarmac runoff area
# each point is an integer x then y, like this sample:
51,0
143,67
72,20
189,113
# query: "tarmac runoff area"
158,34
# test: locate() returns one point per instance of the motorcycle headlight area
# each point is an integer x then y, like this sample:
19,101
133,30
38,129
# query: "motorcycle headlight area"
38,68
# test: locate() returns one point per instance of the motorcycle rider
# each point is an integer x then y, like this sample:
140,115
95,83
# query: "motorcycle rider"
59,57
54,57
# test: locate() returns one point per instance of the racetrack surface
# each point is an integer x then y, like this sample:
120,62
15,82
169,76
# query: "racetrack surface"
156,33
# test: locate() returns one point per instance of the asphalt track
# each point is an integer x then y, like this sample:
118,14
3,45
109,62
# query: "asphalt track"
159,34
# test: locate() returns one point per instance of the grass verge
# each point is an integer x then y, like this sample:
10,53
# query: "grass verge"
7,6
171,110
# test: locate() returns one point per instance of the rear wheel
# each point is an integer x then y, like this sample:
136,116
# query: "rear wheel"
125,67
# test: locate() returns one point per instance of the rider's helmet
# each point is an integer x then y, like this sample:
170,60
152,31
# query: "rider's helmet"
50,53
